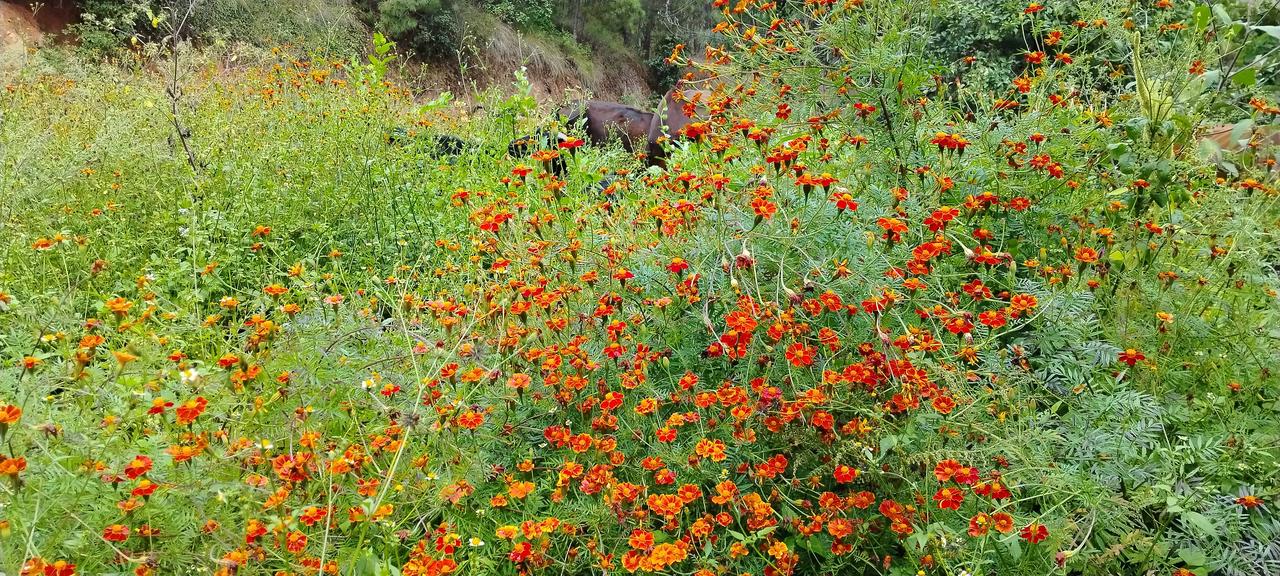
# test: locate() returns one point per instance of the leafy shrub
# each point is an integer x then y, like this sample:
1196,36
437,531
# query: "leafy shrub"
314,24
107,26
525,15
428,27
865,322
664,73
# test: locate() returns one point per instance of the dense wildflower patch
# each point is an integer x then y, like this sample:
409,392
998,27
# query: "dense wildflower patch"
867,321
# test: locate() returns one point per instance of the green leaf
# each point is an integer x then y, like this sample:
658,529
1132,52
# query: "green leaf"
1245,77
366,566
887,443
1192,556
1200,16
1200,522
819,544
1273,31
1241,131
1222,15
919,540
1015,549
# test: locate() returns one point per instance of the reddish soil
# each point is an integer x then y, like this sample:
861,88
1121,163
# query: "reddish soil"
22,27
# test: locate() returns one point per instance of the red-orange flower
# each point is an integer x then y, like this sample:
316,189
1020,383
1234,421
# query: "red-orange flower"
801,355
1249,502
1035,532
190,410
949,498
296,542
979,524
845,474
115,533
137,467
60,568
1086,255
1131,357
470,419
9,414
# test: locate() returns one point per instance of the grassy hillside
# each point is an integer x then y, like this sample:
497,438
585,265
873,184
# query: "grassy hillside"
613,49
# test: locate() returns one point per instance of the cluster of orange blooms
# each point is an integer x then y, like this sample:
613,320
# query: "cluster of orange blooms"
700,371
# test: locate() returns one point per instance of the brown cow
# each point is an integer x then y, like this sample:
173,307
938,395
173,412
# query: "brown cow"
637,130
1263,141
606,122
682,106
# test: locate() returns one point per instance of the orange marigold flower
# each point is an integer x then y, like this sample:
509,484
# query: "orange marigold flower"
12,466
1249,502
144,488
712,449
119,306
296,542
190,410
949,498
1002,522
946,469
1035,532
1131,357
60,568
9,414
845,474
115,533
1086,255
979,524
159,405
137,467
801,355
470,419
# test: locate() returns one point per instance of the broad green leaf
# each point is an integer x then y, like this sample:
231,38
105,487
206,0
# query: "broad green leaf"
1241,131
1222,15
1246,77
1200,522
1192,556
1200,16
1015,549
761,533
1273,31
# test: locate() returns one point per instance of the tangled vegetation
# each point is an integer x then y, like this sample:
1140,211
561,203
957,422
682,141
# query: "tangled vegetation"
871,318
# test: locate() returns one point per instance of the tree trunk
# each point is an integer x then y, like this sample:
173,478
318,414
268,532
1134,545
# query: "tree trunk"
650,21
